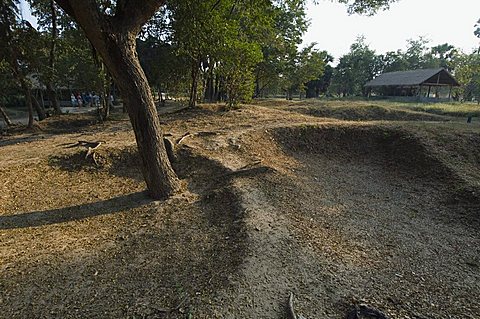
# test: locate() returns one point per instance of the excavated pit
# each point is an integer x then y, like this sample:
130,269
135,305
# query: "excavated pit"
372,207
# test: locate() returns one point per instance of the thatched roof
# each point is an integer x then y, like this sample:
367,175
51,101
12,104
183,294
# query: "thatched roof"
433,77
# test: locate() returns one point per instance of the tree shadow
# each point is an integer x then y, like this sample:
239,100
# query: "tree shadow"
73,213
10,140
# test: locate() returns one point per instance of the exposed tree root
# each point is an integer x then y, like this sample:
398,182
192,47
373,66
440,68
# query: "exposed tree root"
91,149
291,310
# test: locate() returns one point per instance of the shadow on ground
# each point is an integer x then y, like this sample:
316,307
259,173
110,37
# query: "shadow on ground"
68,214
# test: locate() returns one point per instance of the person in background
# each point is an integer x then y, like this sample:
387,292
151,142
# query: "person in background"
96,99
88,99
110,100
79,100
73,100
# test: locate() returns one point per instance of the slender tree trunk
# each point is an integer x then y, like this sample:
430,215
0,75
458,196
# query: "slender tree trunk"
28,100
39,109
25,88
5,116
216,89
52,95
257,87
193,88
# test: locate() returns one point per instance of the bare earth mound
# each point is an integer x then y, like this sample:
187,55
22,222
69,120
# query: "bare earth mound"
275,202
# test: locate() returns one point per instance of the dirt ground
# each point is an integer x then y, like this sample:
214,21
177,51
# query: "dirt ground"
340,205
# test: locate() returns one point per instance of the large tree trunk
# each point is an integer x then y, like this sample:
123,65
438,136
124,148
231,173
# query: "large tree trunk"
5,116
114,39
130,78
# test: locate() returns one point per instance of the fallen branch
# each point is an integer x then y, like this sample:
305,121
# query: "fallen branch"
250,165
91,150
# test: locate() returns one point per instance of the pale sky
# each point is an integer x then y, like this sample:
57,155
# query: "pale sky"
440,21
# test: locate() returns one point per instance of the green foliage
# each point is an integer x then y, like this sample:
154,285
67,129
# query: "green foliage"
166,71
355,69
76,66
281,47
467,72
220,39
238,60
368,7
302,68
225,48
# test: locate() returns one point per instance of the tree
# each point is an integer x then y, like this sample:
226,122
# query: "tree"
467,73
221,42
355,69
444,55
367,7
5,85
166,71
280,46
320,85
112,28
46,13
303,67
18,37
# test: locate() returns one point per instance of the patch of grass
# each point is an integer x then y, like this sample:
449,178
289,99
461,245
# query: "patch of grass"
451,109
364,109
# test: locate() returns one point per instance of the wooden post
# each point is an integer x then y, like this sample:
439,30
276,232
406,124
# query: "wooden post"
450,93
429,89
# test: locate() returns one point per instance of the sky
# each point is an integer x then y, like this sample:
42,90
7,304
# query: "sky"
25,12
440,21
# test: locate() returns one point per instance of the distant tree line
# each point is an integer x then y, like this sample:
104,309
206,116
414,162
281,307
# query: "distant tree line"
209,51
361,64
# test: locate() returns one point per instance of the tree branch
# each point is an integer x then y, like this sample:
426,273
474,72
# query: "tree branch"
131,15
67,7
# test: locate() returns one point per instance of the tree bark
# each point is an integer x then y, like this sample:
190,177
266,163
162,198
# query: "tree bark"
25,88
160,178
193,88
39,109
52,95
5,117
28,100
114,39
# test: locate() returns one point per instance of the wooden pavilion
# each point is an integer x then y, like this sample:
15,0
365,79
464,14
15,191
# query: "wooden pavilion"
424,84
